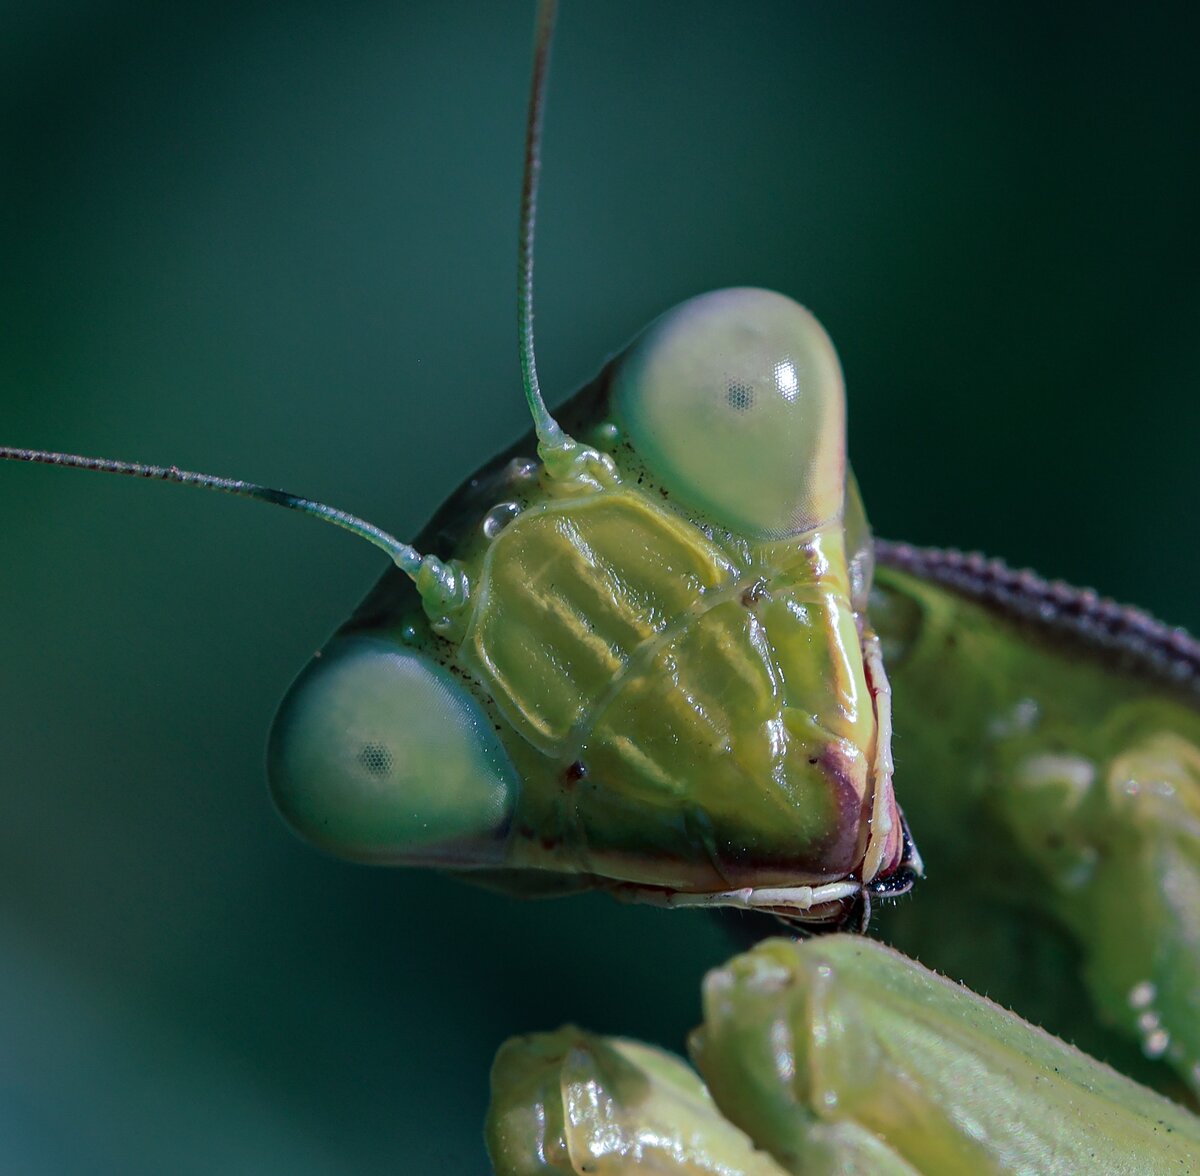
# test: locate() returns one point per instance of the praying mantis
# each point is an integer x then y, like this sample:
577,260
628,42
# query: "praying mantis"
195,891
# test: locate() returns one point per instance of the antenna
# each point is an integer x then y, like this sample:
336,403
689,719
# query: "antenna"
405,557
442,585
550,435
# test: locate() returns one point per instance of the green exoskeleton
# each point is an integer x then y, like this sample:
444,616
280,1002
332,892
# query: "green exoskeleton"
828,1058
640,655
1075,748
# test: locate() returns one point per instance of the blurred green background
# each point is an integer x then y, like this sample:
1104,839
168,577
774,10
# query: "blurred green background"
277,241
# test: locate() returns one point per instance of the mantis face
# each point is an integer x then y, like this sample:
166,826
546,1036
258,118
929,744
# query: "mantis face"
654,675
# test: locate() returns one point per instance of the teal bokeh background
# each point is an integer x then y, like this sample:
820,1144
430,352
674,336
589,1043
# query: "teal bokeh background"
277,241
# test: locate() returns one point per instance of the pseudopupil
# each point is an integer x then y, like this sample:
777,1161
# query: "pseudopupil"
376,759
739,396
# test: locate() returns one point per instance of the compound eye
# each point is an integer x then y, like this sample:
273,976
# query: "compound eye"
735,401
378,754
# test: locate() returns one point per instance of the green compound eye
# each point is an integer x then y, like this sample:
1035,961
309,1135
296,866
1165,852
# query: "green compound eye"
379,755
735,400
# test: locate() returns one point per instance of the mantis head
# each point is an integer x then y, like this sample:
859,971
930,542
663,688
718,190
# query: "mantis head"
657,677
634,655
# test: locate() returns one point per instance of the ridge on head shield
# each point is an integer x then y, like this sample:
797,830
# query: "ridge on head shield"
641,660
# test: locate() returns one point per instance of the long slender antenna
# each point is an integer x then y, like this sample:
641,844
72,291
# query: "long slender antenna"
549,433
405,557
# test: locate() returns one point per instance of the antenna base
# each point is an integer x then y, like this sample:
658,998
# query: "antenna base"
445,594
572,467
